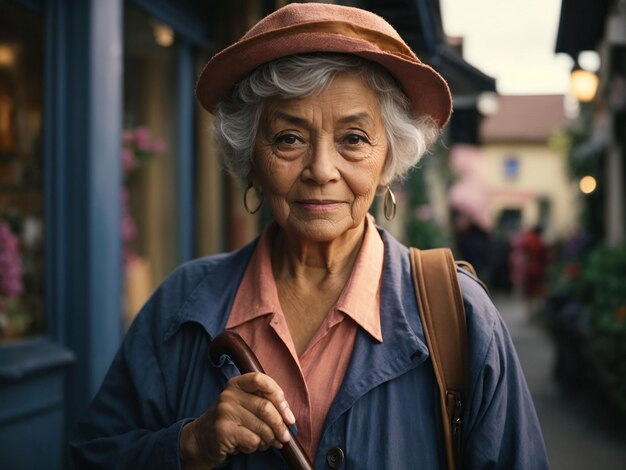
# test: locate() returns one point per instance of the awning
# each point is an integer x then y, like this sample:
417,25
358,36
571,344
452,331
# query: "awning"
419,23
581,25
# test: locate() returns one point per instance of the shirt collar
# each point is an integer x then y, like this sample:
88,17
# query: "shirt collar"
257,294
359,300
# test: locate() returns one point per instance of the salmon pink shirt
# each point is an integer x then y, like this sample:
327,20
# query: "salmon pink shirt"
311,381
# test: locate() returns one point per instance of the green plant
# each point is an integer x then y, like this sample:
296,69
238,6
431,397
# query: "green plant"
601,289
422,229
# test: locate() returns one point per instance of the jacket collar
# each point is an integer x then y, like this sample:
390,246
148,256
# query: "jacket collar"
211,298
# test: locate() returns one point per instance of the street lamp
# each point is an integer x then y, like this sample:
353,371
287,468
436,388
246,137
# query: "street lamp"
587,184
583,84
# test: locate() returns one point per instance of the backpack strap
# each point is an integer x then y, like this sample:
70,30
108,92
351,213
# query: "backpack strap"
440,304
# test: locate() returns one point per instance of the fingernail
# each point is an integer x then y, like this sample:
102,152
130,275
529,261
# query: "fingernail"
289,417
286,437
278,444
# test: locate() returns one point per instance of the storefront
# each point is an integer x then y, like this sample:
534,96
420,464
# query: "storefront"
108,180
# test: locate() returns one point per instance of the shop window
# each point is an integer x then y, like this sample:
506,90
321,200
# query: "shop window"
21,173
149,224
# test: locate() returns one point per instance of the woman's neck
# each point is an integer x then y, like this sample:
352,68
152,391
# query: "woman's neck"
310,278
315,262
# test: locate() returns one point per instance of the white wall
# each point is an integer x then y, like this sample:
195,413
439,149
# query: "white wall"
542,172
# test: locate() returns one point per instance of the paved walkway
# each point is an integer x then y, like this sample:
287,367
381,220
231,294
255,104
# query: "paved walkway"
577,435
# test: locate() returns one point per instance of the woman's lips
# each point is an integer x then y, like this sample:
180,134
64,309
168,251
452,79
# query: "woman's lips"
315,205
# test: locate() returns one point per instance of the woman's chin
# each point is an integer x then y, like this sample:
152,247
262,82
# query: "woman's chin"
319,230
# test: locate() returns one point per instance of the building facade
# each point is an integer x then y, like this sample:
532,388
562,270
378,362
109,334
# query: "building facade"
102,191
528,178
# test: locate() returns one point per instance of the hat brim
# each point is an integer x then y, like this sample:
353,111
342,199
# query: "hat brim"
427,91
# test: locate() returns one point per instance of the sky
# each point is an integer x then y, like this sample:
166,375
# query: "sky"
512,41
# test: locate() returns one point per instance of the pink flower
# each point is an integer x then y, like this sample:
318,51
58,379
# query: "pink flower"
142,139
138,148
128,160
129,230
158,146
129,256
11,269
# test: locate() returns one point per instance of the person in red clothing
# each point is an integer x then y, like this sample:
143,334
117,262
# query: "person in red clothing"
533,260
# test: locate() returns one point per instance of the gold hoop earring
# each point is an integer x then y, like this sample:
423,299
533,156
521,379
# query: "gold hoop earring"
389,203
245,200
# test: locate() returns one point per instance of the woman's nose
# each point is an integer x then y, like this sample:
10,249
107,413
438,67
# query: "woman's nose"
321,167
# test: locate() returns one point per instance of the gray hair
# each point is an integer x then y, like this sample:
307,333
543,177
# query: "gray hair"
237,118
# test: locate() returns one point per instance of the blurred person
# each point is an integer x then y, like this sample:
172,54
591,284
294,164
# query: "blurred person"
529,258
318,107
473,243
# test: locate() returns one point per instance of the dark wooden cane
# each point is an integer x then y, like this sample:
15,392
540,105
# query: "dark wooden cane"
231,344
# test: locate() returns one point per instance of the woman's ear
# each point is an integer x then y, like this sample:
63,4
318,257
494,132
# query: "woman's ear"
384,181
385,177
252,179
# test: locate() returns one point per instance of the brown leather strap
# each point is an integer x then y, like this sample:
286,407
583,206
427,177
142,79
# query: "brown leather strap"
442,313
467,266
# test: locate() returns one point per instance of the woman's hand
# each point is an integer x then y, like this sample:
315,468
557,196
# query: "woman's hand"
249,415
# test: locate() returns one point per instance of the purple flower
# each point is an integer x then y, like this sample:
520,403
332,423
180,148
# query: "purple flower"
11,269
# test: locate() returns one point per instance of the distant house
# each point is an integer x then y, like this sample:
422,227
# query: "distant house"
527,177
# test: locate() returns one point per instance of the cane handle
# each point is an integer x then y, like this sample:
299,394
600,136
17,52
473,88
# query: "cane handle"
232,345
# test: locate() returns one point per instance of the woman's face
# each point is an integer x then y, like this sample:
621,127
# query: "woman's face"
318,160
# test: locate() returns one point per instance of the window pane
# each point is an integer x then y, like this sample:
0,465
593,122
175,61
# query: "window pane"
149,222
21,172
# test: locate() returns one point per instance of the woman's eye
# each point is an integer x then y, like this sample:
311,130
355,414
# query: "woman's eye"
355,139
287,139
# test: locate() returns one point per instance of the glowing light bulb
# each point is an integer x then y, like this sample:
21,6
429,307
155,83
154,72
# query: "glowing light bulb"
163,34
587,184
584,85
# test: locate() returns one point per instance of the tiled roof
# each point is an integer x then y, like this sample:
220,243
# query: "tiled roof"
524,118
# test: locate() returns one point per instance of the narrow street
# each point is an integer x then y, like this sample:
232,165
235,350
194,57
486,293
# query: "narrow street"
578,434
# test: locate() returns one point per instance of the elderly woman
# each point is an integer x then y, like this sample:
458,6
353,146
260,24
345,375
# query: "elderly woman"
318,108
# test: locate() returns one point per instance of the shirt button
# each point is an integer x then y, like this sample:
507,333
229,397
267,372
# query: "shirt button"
335,457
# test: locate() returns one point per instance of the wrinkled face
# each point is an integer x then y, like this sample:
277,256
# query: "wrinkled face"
318,160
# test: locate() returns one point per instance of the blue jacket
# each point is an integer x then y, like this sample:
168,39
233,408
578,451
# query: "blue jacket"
385,416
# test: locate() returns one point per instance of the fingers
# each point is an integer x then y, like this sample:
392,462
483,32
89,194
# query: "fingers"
232,417
265,401
266,387
249,415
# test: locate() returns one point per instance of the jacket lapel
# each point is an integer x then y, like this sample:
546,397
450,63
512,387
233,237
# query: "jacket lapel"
403,347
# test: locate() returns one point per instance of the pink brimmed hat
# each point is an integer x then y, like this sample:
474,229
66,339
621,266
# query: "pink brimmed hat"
300,28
